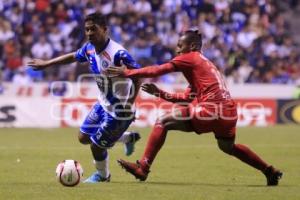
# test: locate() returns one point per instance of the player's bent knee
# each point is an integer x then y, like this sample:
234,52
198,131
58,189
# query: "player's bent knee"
164,120
83,138
226,145
160,120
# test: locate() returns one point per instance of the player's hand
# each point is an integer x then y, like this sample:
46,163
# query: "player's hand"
38,64
117,71
150,88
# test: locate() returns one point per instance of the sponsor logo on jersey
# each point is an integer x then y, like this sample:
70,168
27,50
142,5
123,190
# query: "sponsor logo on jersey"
105,64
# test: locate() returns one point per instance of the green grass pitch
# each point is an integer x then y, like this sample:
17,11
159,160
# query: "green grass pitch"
188,167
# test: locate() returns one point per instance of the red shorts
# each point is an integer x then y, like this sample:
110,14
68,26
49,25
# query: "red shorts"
219,118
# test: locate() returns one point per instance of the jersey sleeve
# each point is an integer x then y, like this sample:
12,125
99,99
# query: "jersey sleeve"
123,57
81,55
182,62
186,96
149,71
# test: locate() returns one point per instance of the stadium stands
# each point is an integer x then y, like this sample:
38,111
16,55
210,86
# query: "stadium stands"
249,40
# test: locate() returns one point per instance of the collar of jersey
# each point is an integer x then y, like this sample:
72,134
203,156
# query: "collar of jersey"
104,46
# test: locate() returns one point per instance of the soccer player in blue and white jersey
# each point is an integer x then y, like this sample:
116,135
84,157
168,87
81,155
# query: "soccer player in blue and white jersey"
113,113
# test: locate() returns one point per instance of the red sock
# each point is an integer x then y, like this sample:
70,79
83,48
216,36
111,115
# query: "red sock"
243,153
155,142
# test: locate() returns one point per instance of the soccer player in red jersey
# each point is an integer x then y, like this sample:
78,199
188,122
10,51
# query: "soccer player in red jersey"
208,108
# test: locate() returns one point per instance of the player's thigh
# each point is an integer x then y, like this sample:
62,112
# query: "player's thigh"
225,129
110,130
101,129
92,121
177,119
202,119
226,124
90,124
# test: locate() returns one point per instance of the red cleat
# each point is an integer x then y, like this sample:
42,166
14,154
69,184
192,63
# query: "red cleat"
273,175
135,169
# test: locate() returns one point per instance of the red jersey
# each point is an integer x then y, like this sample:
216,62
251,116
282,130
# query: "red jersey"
204,78
207,85
206,82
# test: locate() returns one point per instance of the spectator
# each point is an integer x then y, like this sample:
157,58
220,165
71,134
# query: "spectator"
244,70
55,38
42,49
6,32
234,32
21,78
142,6
246,37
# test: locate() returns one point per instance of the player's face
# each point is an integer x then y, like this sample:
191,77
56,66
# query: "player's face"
183,46
95,34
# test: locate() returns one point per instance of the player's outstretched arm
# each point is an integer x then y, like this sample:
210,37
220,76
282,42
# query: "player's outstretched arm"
146,72
39,64
174,98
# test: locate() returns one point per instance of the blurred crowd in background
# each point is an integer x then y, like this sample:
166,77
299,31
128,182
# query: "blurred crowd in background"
249,40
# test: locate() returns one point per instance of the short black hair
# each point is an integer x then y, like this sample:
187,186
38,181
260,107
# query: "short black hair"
97,18
194,36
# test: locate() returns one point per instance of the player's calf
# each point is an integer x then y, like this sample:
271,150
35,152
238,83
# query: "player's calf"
226,145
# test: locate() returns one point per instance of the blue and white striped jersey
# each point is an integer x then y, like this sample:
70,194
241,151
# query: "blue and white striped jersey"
113,90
